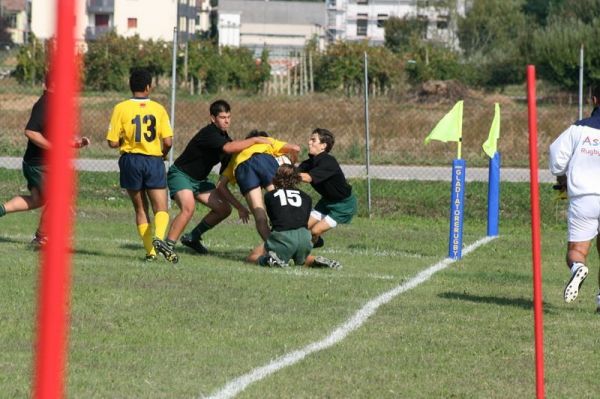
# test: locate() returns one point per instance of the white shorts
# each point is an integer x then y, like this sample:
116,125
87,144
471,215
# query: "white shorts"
583,218
319,216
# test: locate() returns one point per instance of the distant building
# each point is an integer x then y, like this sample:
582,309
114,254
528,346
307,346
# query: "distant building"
150,19
15,12
354,20
280,26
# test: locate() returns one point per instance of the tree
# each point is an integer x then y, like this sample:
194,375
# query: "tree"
400,32
495,38
31,61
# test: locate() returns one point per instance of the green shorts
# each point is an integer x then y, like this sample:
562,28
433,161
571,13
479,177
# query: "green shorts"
34,176
178,180
290,244
341,211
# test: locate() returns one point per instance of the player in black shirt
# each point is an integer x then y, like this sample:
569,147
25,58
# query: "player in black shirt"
33,164
323,172
288,209
188,178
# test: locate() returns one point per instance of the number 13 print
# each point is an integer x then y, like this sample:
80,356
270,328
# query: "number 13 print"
150,124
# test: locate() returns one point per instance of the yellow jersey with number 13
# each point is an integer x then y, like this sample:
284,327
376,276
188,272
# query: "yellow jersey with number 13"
139,125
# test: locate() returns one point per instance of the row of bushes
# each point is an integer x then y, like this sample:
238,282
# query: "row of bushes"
497,37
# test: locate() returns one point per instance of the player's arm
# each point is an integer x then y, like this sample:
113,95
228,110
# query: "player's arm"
305,177
240,145
113,136
38,139
167,143
292,151
223,190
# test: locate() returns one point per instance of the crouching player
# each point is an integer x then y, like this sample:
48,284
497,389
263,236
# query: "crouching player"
323,172
288,209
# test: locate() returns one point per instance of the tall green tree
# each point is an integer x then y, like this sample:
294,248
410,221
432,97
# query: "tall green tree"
31,61
399,33
495,35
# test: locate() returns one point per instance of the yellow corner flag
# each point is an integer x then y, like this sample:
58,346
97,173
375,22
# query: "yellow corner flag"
490,145
449,128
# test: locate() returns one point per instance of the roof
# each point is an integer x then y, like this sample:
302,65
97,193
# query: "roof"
276,12
14,5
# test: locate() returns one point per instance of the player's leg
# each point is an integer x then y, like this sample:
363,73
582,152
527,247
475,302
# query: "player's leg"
254,198
20,203
256,253
582,227
140,207
187,204
158,200
598,295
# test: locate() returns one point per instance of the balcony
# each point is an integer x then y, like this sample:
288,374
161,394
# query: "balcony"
94,32
100,6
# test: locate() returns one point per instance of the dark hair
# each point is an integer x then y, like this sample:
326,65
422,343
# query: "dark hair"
219,106
256,133
139,79
287,176
325,137
596,91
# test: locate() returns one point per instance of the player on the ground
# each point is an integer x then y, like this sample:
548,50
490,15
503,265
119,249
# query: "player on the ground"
253,169
140,128
337,204
33,163
188,178
574,157
288,209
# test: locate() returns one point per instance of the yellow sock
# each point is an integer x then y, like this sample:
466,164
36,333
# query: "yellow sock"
161,222
145,231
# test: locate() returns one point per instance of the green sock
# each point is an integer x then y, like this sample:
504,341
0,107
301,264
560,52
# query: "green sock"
2,210
200,229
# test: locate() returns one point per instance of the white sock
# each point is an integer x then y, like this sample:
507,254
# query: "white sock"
575,266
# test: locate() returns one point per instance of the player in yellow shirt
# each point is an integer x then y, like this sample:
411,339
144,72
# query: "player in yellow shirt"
140,128
254,169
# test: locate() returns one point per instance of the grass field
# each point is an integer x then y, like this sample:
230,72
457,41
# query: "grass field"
157,330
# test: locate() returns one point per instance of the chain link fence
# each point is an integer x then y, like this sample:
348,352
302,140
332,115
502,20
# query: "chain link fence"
398,124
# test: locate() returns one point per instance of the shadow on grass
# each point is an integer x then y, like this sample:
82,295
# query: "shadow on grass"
516,302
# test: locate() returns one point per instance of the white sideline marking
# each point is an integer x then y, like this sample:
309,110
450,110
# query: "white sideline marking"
237,385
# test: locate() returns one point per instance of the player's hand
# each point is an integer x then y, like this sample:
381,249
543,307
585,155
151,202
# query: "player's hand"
244,214
561,187
81,142
561,183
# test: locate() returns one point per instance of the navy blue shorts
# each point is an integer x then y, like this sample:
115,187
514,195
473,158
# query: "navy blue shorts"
257,171
139,172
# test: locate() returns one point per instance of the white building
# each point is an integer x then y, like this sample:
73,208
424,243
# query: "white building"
15,13
280,26
150,19
364,19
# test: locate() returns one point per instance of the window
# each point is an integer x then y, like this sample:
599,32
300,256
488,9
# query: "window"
381,18
442,23
362,1
101,20
131,23
11,21
361,24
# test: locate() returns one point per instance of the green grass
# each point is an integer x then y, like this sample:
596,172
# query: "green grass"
162,331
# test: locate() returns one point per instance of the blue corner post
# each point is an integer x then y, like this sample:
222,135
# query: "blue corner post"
457,202
494,195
